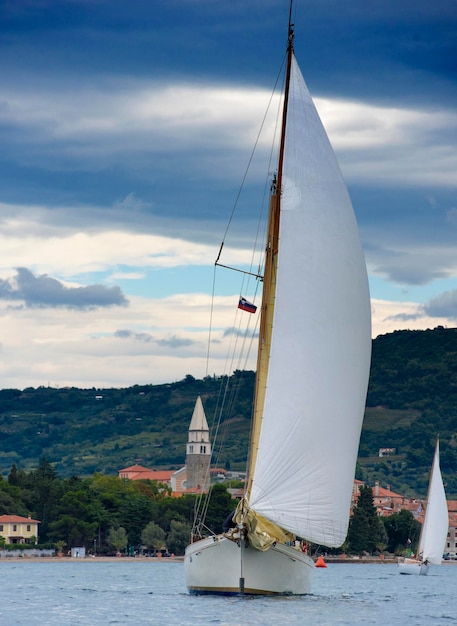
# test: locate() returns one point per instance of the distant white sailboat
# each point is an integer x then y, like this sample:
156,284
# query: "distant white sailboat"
312,373
435,527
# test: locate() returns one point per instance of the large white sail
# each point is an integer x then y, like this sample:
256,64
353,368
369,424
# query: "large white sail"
436,521
321,341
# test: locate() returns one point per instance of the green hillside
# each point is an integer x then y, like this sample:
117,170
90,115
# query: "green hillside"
81,431
412,398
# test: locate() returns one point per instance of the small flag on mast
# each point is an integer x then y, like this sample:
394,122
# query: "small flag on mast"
244,305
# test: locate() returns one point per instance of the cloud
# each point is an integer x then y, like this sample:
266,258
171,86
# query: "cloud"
444,305
388,316
407,258
44,291
70,252
398,146
175,342
128,334
240,332
118,122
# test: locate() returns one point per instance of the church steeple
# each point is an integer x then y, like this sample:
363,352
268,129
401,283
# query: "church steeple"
198,450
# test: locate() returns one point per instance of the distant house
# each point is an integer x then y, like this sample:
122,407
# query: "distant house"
138,472
356,487
17,529
387,501
451,542
386,452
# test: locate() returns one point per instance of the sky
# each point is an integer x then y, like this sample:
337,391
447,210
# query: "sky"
125,131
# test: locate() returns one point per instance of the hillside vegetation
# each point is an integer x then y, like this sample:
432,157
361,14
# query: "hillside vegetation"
412,398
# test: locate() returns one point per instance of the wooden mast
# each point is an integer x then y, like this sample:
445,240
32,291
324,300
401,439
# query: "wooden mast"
269,280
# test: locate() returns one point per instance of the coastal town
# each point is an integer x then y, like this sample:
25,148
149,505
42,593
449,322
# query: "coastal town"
197,475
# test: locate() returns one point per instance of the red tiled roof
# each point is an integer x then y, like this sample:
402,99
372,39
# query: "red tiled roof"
135,468
137,472
163,475
380,492
17,519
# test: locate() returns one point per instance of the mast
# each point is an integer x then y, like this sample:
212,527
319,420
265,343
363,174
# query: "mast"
269,280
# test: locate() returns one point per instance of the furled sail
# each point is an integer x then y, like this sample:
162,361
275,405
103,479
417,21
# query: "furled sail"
321,341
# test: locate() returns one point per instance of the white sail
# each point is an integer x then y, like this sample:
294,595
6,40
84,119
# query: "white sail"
321,341
436,521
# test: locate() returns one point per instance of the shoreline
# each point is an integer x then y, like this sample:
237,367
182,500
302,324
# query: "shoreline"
91,559
180,559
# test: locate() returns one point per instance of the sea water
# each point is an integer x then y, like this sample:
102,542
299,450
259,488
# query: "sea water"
100,593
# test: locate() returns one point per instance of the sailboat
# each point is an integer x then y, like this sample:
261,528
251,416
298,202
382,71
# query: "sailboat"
435,527
312,373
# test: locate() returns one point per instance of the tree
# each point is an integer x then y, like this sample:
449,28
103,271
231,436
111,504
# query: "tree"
46,489
12,499
364,530
12,476
74,521
402,531
135,512
117,537
178,537
153,536
220,505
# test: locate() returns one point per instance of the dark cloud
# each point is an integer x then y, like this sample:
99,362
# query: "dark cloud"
44,291
175,342
171,342
239,332
387,53
358,47
128,334
405,317
397,47
444,305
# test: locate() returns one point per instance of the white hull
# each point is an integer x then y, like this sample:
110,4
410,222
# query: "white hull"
217,565
412,566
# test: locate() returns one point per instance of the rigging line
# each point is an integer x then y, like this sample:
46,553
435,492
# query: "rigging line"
267,189
203,503
229,391
235,383
250,160
210,329
236,269
235,389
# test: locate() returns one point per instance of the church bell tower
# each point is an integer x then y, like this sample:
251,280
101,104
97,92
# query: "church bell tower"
198,450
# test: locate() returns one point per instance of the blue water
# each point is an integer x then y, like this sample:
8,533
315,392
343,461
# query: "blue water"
149,592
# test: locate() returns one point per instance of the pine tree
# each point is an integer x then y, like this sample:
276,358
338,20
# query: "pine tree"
364,527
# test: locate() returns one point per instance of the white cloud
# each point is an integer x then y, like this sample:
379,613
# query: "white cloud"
159,341
65,253
85,349
394,145
388,316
